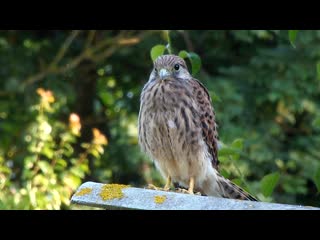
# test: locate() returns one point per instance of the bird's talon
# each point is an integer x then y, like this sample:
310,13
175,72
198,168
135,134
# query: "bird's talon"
153,187
182,190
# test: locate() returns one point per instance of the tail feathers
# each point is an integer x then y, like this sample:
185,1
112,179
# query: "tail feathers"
230,190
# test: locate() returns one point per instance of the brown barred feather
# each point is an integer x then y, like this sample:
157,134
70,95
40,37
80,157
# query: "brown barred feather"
207,118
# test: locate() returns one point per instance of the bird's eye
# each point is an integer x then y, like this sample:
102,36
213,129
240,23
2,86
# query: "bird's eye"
176,67
155,70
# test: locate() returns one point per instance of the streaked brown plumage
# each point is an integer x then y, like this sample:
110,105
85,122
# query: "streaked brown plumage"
177,129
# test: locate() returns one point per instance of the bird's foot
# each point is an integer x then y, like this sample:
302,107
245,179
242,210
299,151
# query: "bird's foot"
165,188
153,187
183,190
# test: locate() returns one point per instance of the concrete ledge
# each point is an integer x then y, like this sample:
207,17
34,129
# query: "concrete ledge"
115,196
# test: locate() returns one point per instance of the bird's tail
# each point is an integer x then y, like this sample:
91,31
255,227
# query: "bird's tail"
228,189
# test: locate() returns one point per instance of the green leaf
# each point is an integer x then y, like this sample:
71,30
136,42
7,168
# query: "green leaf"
292,37
77,172
215,97
95,153
318,70
195,62
44,166
268,183
238,144
183,54
47,151
157,51
237,181
316,122
227,151
107,98
316,179
61,162
224,173
194,59
67,150
223,158
166,35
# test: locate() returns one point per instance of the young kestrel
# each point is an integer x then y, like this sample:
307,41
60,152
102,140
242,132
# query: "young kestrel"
177,129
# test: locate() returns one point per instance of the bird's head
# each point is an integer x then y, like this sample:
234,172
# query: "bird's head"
170,67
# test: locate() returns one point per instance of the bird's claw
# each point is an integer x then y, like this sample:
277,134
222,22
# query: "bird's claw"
153,187
182,190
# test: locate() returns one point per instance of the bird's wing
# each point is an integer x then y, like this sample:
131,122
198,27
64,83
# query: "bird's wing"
207,118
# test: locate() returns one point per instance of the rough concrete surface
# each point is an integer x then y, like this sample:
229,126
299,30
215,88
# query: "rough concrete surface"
89,194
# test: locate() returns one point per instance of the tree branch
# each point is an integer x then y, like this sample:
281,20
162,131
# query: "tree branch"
91,35
98,52
64,48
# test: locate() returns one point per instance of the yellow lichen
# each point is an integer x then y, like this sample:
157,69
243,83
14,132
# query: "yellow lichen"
159,199
84,191
112,191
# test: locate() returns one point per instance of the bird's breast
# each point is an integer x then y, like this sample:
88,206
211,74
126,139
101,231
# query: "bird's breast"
163,97
171,131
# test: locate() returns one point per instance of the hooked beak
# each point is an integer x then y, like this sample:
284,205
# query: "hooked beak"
164,73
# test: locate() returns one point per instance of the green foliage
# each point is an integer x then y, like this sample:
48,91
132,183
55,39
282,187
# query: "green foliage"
231,152
317,179
278,91
292,37
318,70
194,59
268,183
157,51
238,144
51,170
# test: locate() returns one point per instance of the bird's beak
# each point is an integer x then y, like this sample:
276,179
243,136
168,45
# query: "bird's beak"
164,73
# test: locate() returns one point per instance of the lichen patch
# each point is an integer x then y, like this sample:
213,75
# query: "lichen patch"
112,191
84,191
159,199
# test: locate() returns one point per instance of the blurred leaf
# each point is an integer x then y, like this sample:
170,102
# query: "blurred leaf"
166,35
225,151
223,158
47,151
44,166
95,153
107,98
316,122
195,62
62,163
292,37
215,97
268,183
85,145
183,54
316,179
71,181
77,172
194,59
318,70
157,51
237,143
224,173
237,181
